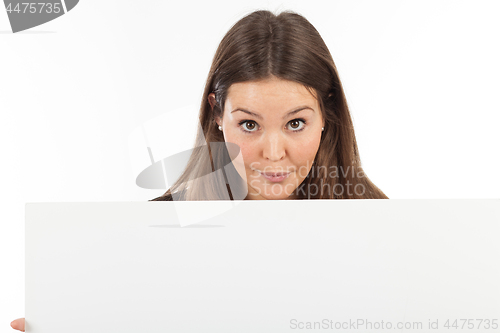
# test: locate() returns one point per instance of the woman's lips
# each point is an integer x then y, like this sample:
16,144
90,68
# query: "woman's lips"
274,177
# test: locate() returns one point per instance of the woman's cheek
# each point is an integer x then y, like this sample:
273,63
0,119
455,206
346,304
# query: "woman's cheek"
242,162
247,154
310,142
310,149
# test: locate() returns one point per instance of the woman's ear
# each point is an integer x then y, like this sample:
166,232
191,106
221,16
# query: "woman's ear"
218,121
211,100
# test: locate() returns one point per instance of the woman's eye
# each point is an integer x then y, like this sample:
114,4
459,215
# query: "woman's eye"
295,125
249,126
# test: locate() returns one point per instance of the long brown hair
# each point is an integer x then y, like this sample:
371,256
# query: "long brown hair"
286,46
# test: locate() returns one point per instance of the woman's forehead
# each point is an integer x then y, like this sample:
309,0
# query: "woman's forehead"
274,91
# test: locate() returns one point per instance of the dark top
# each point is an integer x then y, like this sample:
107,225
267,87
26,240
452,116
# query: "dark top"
179,196
167,197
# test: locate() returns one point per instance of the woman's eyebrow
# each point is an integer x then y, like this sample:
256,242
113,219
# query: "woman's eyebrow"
300,108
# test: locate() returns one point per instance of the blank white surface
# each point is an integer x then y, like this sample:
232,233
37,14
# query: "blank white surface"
129,266
421,79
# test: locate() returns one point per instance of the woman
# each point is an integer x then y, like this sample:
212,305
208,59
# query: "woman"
274,121
265,67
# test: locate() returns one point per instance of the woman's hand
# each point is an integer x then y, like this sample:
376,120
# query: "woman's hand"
18,324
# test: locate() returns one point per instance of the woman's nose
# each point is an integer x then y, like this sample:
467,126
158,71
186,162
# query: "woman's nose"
274,147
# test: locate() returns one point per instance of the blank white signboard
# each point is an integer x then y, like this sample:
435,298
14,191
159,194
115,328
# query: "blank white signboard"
263,266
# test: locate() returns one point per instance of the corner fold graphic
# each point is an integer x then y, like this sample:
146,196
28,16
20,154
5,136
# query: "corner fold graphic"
70,4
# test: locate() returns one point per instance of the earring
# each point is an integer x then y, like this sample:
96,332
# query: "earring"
322,128
220,128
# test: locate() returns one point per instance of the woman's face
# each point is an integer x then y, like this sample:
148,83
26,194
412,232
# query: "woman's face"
277,125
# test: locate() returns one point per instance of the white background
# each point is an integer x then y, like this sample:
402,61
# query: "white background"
421,78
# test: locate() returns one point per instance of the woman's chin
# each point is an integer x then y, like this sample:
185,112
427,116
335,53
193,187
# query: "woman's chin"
270,193
281,197
266,197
